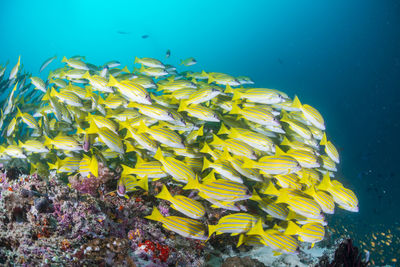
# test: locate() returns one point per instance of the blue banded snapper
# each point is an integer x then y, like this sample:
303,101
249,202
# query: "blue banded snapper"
158,123
189,207
233,224
184,226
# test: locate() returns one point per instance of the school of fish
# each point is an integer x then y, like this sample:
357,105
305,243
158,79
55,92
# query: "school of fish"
232,143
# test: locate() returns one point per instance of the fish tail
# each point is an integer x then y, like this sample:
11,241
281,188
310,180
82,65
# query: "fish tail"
64,59
296,103
94,166
155,215
164,194
206,164
292,229
159,156
192,184
257,229
144,183
325,184
248,163
324,141
271,190
241,240
112,81
211,230
224,130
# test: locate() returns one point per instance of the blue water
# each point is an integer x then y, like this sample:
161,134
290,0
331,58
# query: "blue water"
342,57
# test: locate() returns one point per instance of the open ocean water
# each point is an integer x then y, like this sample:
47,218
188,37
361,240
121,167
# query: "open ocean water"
341,57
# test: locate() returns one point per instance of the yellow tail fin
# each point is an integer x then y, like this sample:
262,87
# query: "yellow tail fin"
94,166
192,184
112,81
296,103
257,229
164,194
292,229
155,215
223,130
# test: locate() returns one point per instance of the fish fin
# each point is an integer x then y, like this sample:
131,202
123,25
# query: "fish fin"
291,215
278,151
282,197
257,229
125,69
248,163
255,196
165,194
210,177
182,106
94,166
206,149
206,164
210,79
271,189
136,60
112,81
276,253
237,95
240,240
144,183
155,215
126,170
223,130
296,103
192,184
86,75
292,229
129,147
159,155
324,141
142,128
326,183
228,89
47,141
211,229
216,141
285,142
312,245
64,59
200,131
235,109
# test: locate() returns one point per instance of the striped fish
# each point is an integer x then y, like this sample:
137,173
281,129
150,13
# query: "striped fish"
202,95
33,146
62,142
345,198
220,189
190,207
107,137
67,97
184,226
305,158
237,162
330,149
273,164
141,138
198,111
256,115
273,209
163,135
236,147
311,114
256,140
183,93
279,242
310,232
223,168
259,95
288,181
11,126
67,165
234,224
131,90
219,204
154,111
28,119
176,168
101,122
325,200
151,169
301,205
328,163
89,165
98,83
130,183
297,127
12,151
75,63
